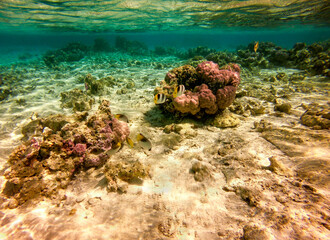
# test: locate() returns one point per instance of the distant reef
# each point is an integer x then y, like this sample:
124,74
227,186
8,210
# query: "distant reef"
313,58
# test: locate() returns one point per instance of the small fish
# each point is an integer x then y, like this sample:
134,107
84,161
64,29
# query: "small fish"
175,93
121,117
178,91
115,148
117,145
130,142
159,98
143,142
256,46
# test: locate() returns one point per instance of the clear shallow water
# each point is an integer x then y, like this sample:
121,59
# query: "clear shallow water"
223,25
14,43
270,164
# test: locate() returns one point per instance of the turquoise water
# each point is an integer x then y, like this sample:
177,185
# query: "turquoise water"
217,24
16,41
115,124
218,39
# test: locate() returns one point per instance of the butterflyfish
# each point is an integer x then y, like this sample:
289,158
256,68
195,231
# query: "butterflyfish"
178,91
143,142
115,148
159,98
122,117
256,46
130,142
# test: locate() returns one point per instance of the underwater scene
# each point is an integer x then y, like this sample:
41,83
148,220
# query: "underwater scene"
164,119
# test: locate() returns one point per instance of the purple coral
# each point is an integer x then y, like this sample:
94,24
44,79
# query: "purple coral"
110,132
93,143
80,149
33,150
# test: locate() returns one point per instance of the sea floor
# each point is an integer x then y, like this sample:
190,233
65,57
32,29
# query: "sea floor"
259,174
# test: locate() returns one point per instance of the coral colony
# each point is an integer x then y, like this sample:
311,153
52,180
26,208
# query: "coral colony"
209,89
49,160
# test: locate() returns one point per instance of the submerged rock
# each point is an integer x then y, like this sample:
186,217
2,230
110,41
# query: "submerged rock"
168,227
55,122
247,107
130,172
250,195
226,119
317,116
5,92
96,86
283,107
263,125
255,233
76,99
47,162
278,167
200,171
171,140
184,129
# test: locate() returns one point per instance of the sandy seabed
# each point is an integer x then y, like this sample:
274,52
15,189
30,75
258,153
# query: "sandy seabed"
265,176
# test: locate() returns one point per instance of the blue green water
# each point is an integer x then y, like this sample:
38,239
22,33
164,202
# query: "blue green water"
219,39
258,169
222,25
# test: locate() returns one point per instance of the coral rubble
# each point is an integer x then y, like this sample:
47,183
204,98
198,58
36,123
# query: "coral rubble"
48,160
317,116
97,87
130,172
76,99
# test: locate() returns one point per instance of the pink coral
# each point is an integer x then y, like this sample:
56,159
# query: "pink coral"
120,130
225,96
208,88
232,67
215,78
235,71
223,82
207,99
187,103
